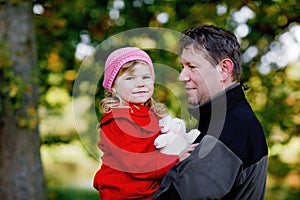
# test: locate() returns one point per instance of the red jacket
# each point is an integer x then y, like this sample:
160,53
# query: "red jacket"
131,166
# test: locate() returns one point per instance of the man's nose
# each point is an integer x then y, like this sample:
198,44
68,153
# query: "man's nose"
183,76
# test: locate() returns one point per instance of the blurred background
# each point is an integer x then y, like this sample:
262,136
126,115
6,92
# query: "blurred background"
43,44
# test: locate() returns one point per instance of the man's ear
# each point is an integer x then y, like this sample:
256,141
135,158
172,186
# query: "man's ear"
225,68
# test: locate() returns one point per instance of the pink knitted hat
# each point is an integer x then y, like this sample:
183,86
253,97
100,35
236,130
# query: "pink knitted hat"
120,57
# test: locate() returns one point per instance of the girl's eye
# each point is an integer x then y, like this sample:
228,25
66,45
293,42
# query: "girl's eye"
146,77
129,78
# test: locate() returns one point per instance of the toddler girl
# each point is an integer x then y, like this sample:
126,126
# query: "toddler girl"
131,166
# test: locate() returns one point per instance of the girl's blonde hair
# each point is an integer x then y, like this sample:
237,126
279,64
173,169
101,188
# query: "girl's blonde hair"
113,100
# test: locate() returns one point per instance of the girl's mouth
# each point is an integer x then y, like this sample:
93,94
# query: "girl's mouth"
140,92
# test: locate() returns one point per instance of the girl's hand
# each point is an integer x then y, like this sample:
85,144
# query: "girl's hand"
187,151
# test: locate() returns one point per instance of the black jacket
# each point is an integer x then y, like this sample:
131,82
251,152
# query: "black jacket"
231,159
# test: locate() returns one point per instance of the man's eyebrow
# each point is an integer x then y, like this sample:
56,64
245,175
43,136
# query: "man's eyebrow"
184,62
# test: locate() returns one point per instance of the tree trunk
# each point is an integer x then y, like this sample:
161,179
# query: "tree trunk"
21,172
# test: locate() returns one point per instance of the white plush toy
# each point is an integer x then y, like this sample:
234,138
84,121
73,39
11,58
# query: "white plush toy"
174,138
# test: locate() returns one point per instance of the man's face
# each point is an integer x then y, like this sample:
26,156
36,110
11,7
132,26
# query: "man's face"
202,80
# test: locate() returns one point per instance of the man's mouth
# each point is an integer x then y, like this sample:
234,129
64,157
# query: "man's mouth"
189,88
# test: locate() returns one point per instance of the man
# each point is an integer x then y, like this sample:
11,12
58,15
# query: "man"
230,161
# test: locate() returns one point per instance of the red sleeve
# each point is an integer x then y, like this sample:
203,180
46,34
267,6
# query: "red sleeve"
129,148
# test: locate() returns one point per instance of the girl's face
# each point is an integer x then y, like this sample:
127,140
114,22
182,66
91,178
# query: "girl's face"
135,85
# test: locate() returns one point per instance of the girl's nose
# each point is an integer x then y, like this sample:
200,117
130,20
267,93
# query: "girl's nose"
140,83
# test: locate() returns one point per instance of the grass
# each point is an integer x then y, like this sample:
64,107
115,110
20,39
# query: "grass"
59,193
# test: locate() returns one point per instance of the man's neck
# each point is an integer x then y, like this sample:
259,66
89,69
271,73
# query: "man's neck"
229,84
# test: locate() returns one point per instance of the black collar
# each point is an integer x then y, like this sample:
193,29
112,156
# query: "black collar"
219,103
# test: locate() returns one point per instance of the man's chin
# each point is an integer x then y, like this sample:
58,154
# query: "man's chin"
193,101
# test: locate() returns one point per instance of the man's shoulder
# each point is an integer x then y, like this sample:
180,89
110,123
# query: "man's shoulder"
244,135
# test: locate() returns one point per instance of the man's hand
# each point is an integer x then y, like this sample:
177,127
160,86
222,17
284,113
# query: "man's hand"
187,151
